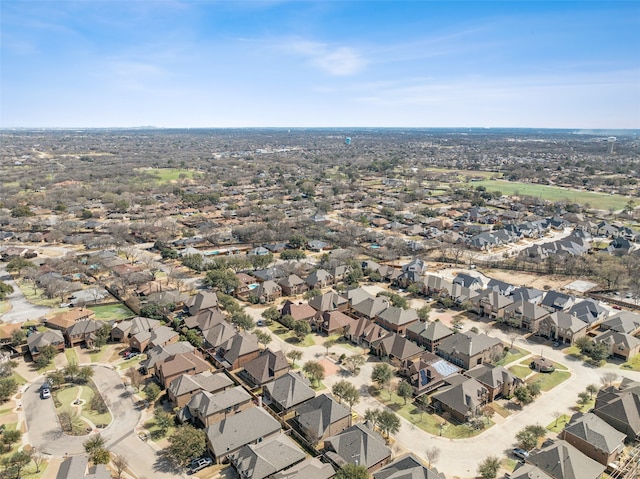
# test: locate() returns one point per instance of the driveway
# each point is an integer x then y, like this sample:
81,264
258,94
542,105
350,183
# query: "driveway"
21,309
45,434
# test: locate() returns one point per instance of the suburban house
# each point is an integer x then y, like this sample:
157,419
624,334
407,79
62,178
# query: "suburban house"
356,295
619,345
357,444
130,327
396,348
369,308
269,365
205,319
527,471
77,467
185,386
250,426
525,315
469,349
299,311
620,407
561,460
590,312
364,332
594,437
428,335
321,417
498,380
218,334
202,300
554,301
562,327
310,468
267,291
238,350
319,279
293,285
186,363
623,322
83,332
397,319
330,301
287,392
64,320
262,460
428,372
160,336
405,467
332,322
463,399
39,340
206,408
493,304
157,355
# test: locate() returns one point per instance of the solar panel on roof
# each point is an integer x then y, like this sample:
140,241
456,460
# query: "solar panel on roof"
423,377
444,368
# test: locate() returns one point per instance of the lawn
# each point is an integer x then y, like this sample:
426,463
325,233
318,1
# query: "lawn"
5,306
72,355
342,342
167,175
559,424
500,410
29,472
556,193
548,381
633,363
430,423
37,298
111,312
288,336
512,355
520,371
67,395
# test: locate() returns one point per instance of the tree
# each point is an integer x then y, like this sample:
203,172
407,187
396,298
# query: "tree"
404,390
94,447
556,415
523,395
534,389
185,444
290,254
297,242
294,355
513,334
314,371
135,377
8,387
71,370
223,280
242,320
18,264
372,415
347,392
354,362
263,337
592,389
388,423
56,377
37,458
85,373
47,353
271,314
120,465
328,344
152,392
432,454
352,471
528,437
5,290
609,378
584,398
18,337
488,469
381,375
301,329
16,463
102,336
162,420
423,313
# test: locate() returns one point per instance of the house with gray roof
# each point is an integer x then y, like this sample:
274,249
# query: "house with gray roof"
159,354
428,334
310,468
369,308
77,467
288,391
330,301
620,407
397,349
619,345
562,327
238,350
250,426
623,322
128,328
531,295
469,281
205,319
206,408
320,278
463,399
293,285
185,386
497,379
356,295
397,319
321,417
269,365
218,334
407,467
267,291
262,460
525,315
555,301
528,471
561,460
492,303
595,438
357,445
590,312
469,349
37,341
202,300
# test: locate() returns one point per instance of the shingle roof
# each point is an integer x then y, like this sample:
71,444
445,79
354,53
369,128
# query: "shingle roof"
242,428
310,468
359,445
261,460
211,403
597,432
266,364
407,467
398,316
319,413
561,460
290,389
205,381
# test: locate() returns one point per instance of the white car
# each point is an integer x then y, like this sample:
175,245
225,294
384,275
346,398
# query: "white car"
45,393
199,464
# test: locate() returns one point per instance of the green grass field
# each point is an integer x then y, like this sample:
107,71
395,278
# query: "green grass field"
512,355
288,336
556,193
633,363
520,371
548,381
111,311
67,395
559,424
5,306
72,355
167,175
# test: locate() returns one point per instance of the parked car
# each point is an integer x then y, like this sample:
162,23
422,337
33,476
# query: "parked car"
45,393
199,464
132,355
521,453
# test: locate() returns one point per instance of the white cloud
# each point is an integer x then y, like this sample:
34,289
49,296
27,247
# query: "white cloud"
336,61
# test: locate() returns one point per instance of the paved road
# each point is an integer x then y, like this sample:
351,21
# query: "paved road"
21,309
45,434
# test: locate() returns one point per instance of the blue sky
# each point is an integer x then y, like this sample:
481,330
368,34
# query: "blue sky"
332,64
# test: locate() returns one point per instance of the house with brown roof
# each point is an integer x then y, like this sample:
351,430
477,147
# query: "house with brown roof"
370,308
238,350
320,278
160,336
365,332
205,319
268,366
321,417
65,319
427,372
595,438
299,311
185,386
332,322
188,363
267,291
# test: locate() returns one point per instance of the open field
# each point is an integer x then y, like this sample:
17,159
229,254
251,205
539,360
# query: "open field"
513,355
548,381
556,193
111,312
167,175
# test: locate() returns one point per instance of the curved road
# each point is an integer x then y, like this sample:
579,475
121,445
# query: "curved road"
21,309
45,434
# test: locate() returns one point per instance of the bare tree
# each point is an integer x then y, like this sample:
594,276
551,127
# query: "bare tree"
37,458
557,415
513,334
432,454
120,464
608,378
